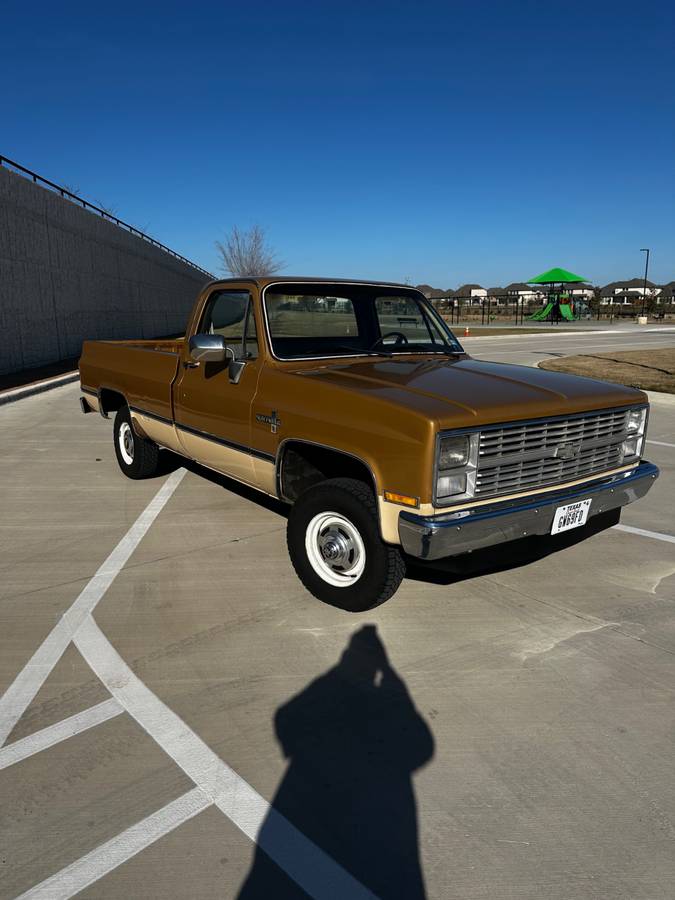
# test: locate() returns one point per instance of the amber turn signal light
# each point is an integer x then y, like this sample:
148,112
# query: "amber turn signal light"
401,498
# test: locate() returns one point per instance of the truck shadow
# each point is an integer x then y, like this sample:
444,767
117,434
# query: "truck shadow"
499,558
352,738
503,557
169,462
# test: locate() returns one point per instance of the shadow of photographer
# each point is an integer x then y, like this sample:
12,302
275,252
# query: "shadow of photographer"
353,738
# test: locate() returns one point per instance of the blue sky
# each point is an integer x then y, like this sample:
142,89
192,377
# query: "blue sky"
440,142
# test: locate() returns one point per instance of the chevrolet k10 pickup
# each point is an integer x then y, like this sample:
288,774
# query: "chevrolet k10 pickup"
354,403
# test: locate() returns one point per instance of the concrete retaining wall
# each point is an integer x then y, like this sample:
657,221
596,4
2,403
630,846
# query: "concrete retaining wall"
67,275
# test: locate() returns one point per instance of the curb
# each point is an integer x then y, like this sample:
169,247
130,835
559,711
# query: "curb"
38,388
503,337
562,333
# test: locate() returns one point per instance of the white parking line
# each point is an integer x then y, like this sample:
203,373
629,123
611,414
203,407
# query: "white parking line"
309,866
28,682
656,535
660,443
85,871
62,730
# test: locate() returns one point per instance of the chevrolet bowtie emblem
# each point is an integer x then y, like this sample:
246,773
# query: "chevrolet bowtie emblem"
567,451
273,421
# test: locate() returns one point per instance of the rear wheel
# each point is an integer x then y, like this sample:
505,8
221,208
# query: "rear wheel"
336,549
137,457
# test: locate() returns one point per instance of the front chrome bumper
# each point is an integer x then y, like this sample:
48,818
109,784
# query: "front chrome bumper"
452,533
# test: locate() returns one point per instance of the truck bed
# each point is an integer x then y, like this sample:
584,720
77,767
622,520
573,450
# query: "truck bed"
142,371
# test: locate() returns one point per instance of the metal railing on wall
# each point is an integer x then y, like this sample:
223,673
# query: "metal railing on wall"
85,204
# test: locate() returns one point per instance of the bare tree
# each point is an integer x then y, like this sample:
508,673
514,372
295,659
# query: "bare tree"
248,253
108,210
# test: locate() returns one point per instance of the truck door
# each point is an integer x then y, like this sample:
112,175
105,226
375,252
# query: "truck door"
213,412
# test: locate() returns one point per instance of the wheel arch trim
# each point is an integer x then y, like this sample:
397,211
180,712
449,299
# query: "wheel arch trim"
278,465
101,390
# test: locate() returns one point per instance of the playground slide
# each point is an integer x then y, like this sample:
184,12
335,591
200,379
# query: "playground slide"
566,312
542,314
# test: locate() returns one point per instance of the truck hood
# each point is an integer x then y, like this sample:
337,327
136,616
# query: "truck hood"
464,392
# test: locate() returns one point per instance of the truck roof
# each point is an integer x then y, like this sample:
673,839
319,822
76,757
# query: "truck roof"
263,280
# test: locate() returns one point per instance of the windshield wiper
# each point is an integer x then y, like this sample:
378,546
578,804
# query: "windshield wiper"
357,351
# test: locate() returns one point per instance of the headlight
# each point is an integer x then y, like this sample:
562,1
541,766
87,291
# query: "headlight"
456,467
448,485
453,452
635,421
632,447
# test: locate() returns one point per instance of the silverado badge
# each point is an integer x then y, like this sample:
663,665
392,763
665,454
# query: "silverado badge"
272,420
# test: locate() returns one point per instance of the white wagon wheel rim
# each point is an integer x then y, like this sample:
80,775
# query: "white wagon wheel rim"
125,439
335,549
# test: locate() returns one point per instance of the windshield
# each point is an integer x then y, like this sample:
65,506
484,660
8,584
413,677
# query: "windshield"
318,320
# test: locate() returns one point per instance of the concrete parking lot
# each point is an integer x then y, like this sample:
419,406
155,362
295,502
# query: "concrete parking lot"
504,730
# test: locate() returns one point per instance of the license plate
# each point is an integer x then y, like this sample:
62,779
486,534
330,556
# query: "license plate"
571,516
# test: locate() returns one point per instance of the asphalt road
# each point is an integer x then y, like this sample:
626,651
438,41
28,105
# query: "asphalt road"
504,732
531,349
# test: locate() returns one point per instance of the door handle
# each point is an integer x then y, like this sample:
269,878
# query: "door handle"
189,364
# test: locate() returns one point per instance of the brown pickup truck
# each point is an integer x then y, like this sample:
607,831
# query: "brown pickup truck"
355,403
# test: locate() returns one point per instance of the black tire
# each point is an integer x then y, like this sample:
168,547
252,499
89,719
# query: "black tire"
317,520
137,457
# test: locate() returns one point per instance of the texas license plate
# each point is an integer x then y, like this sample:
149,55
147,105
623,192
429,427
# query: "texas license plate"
571,516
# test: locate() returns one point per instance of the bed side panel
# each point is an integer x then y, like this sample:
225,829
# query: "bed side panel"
143,375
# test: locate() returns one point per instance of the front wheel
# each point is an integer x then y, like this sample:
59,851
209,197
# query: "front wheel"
336,549
137,457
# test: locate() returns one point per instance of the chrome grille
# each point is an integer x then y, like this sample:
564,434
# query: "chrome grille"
527,455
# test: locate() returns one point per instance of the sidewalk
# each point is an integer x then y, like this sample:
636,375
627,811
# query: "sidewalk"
620,327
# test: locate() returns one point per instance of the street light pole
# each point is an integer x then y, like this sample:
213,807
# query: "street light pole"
644,285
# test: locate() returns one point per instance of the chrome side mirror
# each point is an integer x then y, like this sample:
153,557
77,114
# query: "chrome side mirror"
208,348
205,348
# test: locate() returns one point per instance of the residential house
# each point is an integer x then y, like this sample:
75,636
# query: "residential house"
580,291
426,289
523,293
625,293
474,293
666,295
441,299
495,295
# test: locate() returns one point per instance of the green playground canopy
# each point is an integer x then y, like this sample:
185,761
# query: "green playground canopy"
556,276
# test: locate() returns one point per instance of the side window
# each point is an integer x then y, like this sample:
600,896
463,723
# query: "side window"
230,313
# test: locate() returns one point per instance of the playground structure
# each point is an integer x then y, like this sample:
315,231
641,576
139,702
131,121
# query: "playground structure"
559,304
565,310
